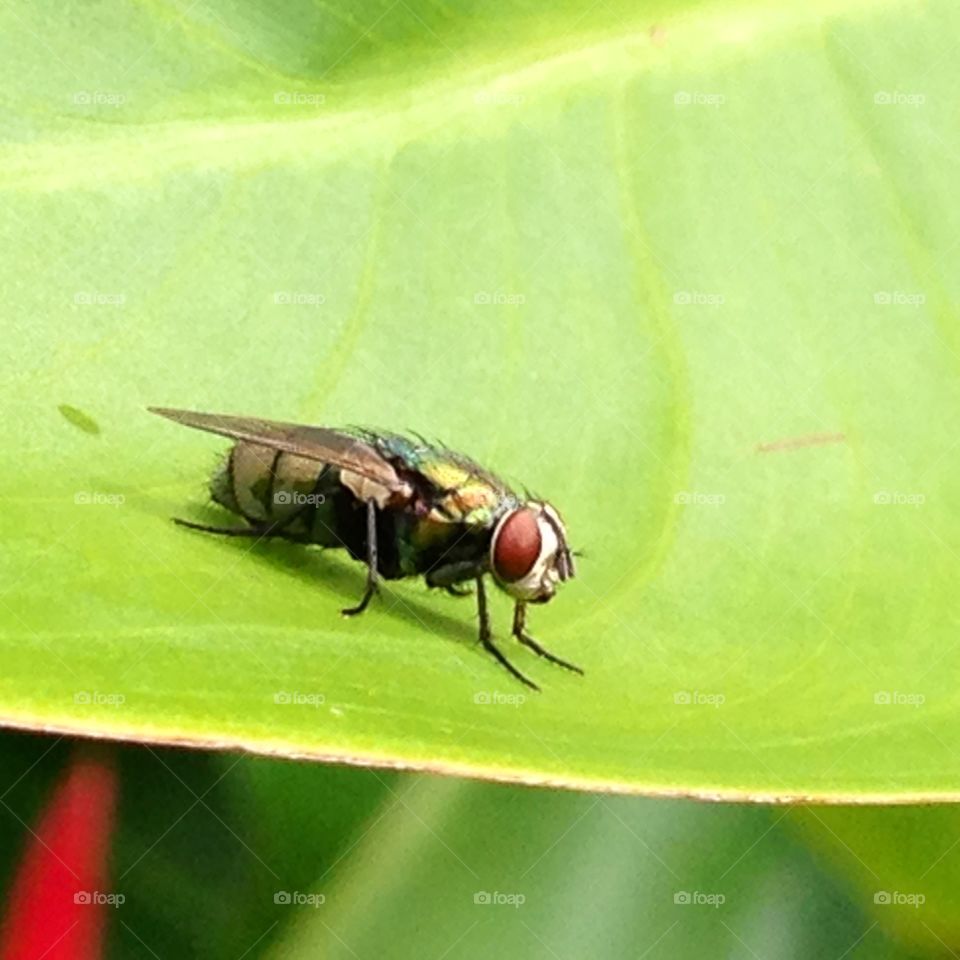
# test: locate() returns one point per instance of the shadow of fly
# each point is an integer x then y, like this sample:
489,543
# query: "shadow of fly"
401,505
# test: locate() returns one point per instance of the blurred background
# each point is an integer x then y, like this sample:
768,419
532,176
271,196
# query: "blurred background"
223,856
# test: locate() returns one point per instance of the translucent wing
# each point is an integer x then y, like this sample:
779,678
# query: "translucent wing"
313,443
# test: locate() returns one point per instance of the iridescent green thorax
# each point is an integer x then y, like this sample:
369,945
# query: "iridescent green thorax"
468,493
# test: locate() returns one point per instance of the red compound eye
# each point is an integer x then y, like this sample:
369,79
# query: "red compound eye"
517,546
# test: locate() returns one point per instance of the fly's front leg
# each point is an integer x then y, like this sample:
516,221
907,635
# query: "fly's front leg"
486,636
371,588
519,631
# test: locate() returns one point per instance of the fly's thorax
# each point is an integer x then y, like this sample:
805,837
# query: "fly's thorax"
529,554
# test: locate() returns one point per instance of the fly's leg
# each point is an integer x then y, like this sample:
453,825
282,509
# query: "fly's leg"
256,528
371,587
486,636
519,625
226,531
451,576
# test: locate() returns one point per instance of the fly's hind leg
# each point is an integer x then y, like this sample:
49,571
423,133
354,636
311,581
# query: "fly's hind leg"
371,587
486,637
224,531
519,631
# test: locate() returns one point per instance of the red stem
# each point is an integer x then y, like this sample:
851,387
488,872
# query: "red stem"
60,899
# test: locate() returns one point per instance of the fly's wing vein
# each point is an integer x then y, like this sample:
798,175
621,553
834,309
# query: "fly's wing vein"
312,443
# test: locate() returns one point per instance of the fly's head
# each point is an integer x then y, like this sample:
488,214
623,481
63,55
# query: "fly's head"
529,554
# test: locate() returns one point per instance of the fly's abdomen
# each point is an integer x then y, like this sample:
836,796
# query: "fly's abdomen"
296,496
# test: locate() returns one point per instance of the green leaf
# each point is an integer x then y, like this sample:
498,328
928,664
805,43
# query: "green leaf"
684,271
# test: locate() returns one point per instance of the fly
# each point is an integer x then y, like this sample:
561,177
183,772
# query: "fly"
401,505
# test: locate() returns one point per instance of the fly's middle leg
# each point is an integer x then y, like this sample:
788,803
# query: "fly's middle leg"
371,587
